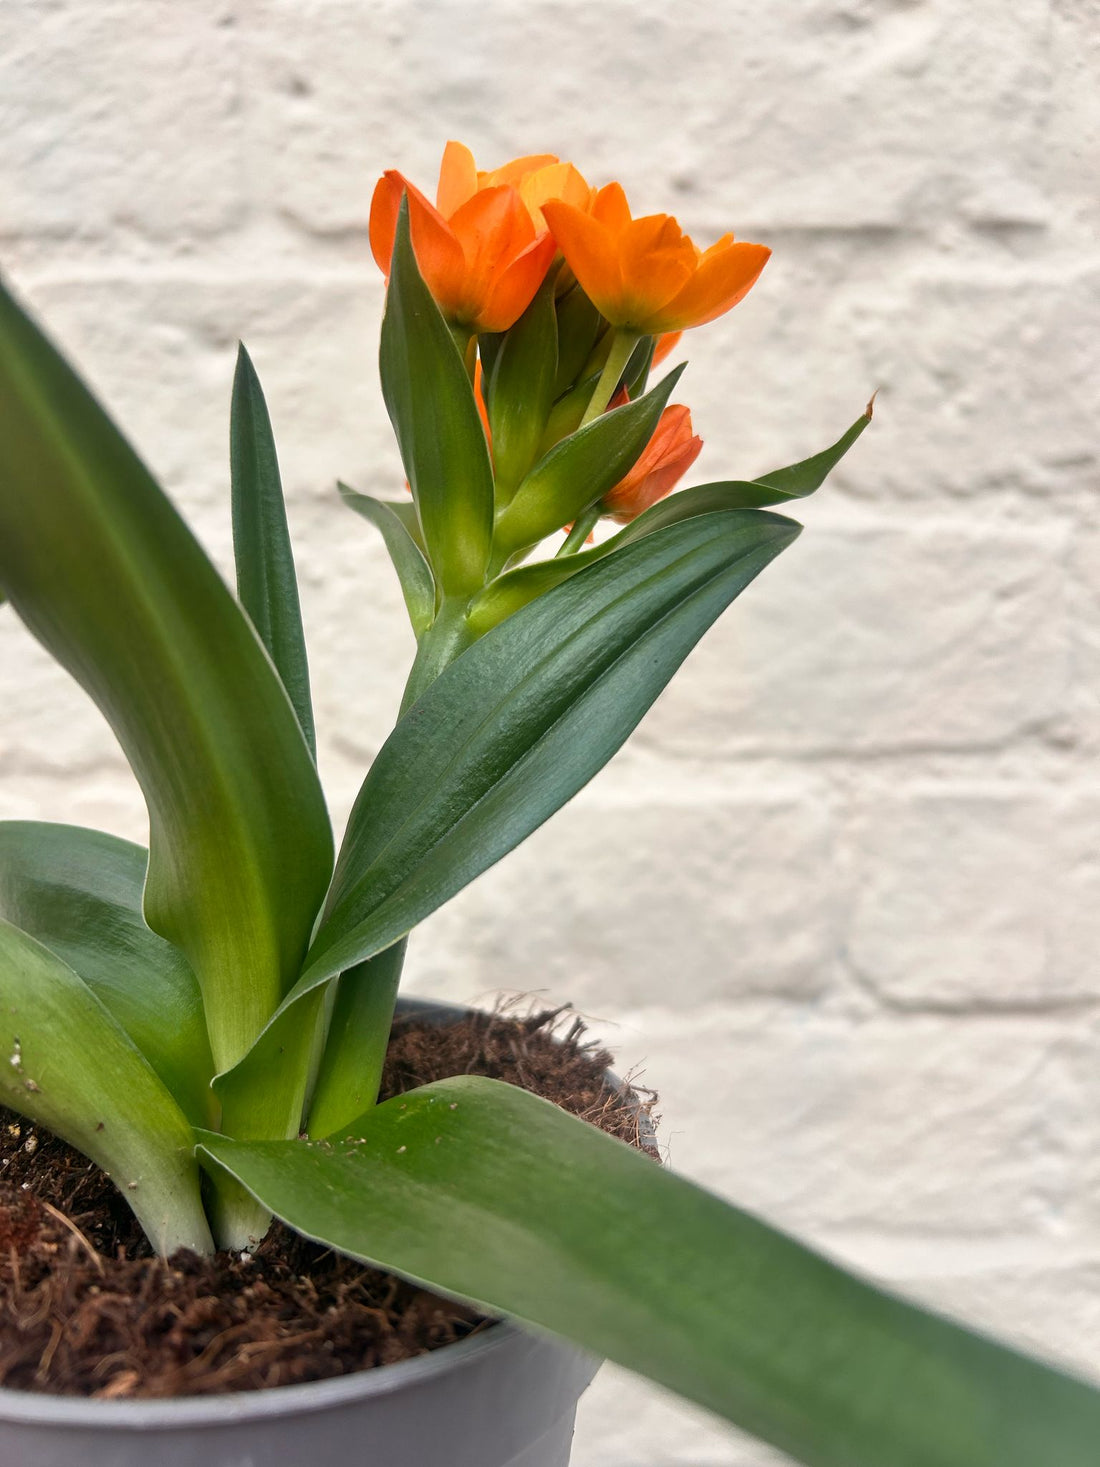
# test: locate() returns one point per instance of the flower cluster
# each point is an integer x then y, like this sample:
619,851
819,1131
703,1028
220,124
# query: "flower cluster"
491,241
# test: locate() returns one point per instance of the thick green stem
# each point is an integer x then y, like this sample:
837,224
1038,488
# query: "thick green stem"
447,636
351,1068
622,346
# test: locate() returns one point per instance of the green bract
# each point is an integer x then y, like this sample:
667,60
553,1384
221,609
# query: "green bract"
217,998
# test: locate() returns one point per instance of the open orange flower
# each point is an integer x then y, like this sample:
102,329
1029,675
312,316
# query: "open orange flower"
537,178
483,263
665,459
645,274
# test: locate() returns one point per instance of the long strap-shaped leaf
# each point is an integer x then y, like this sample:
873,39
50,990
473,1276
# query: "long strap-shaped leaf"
488,1193
78,892
266,581
105,573
70,1066
522,720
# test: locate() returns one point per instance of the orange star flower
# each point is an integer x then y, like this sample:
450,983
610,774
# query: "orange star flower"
645,274
665,459
483,263
537,178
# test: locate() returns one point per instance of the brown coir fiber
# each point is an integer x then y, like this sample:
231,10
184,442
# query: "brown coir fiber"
86,1310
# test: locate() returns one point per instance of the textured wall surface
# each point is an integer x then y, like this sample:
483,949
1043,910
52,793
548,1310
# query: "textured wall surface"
840,896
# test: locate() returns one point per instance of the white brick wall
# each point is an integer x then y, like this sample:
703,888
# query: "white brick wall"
840,894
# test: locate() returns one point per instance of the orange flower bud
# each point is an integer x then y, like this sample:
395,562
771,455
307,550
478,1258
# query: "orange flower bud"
645,274
665,459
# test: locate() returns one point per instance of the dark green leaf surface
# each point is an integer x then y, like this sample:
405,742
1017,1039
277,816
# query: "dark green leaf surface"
78,892
266,582
493,1195
582,468
108,577
68,1064
430,400
521,721
413,571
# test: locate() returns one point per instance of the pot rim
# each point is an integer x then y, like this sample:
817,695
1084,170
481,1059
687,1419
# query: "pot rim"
42,1407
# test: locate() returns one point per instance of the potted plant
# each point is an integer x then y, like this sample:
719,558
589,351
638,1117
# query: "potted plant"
208,1023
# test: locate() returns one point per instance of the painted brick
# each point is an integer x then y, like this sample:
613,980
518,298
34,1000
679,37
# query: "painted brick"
119,119
835,1123
869,637
667,900
967,897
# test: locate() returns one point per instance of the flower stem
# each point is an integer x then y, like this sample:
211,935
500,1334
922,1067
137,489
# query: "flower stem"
582,527
623,343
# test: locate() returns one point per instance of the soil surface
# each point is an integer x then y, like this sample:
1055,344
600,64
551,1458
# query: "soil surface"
85,1309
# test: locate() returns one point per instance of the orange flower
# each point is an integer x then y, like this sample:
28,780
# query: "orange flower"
645,274
537,178
483,261
665,459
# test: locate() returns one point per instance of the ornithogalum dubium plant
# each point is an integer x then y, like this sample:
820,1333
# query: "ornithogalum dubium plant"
219,1005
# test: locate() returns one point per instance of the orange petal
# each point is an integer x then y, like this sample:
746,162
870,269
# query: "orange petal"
557,181
665,344
723,278
515,171
653,271
611,208
457,178
493,227
590,252
514,288
666,458
438,252
385,205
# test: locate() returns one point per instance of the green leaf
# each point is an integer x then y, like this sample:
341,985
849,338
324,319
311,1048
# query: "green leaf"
579,324
567,413
70,1066
358,1036
266,583
800,479
504,596
490,1194
107,576
581,469
524,718
78,892
413,570
638,368
430,400
521,393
